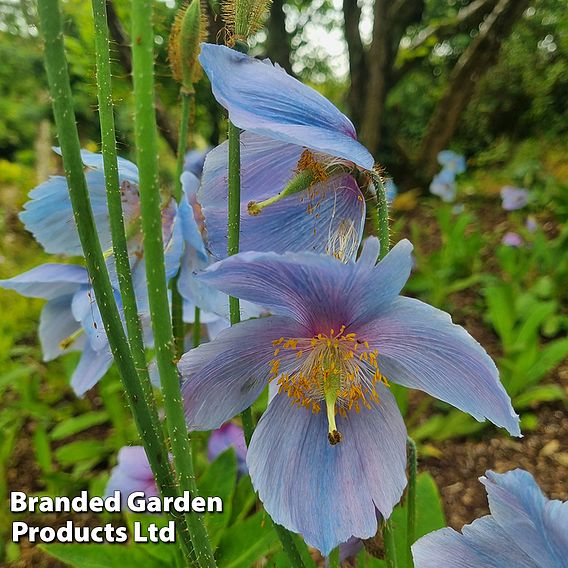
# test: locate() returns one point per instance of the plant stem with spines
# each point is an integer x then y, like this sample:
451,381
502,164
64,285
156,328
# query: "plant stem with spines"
390,548
49,13
411,500
177,302
119,242
380,214
147,158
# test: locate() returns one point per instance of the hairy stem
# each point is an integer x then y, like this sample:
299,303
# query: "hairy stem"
62,100
411,500
119,243
147,158
380,214
390,549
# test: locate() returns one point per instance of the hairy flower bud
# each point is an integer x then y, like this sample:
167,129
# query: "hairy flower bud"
243,18
188,31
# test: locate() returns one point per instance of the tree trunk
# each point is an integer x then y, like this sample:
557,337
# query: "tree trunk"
477,59
278,40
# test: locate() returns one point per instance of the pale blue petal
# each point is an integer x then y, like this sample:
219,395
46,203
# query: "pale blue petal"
331,223
483,545
223,377
86,311
91,369
190,229
48,281
419,347
317,290
194,160
517,504
56,324
311,288
264,99
329,493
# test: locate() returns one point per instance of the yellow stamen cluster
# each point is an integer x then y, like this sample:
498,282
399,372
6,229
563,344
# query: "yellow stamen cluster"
337,370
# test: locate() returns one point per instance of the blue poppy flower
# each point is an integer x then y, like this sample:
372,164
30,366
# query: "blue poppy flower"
228,436
290,131
71,319
452,161
524,530
49,215
331,448
514,198
214,305
444,185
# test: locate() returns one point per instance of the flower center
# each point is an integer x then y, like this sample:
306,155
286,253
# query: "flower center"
335,369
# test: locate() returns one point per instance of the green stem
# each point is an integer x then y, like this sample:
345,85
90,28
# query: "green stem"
380,217
390,549
119,243
177,302
233,235
147,158
333,558
62,101
289,546
196,327
411,500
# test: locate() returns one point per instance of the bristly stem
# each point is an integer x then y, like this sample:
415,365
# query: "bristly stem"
62,100
380,215
390,549
177,302
147,158
411,500
119,242
196,327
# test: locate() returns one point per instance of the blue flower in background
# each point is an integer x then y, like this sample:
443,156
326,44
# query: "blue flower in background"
330,449
228,436
514,198
391,189
524,530
70,320
49,215
214,305
511,239
451,161
444,186
289,129
132,473
194,161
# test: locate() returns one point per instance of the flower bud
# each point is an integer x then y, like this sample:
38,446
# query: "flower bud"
188,31
243,18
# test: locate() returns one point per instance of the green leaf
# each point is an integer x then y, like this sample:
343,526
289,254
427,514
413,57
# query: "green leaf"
78,424
219,480
501,311
542,393
243,500
103,555
243,544
551,355
79,451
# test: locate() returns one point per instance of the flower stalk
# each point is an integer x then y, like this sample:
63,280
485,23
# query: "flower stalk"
119,242
147,152
411,500
390,548
49,12
380,214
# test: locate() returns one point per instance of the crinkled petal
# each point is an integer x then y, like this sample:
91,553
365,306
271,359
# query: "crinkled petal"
48,215
517,504
91,369
329,493
56,325
223,377
419,347
190,229
266,100
48,281
317,290
483,544
86,311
